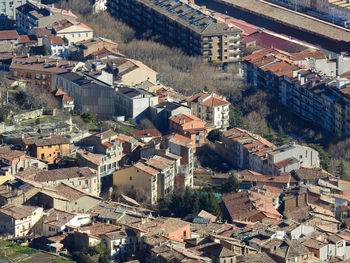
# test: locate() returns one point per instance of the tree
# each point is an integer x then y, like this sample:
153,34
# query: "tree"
21,97
3,115
214,135
235,116
231,185
81,257
341,171
323,155
281,137
88,117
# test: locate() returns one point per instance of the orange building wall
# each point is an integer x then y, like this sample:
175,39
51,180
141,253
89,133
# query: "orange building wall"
51,153
181,234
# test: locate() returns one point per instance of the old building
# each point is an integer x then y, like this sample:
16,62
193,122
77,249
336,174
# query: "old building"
183,25
57,221
48,149
189,126
106,154
183,146
37,71
81,177
211,108
161,113
19,220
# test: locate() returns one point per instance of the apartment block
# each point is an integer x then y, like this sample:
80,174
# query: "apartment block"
183,25
310,94
89,93
33,14
183,146
211,108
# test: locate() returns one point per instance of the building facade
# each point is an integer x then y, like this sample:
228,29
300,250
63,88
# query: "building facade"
182,25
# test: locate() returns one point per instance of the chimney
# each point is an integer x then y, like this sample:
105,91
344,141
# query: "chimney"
191,2
227,20
203,8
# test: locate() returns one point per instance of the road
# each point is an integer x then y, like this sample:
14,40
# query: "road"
325,43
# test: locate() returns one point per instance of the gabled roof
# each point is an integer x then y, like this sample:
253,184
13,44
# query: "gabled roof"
18,211
8,35
46,141
146,133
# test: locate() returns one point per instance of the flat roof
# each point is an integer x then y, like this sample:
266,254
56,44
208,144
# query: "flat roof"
291,18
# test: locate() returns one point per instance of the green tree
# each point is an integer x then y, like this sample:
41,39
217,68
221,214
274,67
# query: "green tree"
88,117
281,137
235,116
231,185
214,135
21,97
81,257
3,115
324,157
341,171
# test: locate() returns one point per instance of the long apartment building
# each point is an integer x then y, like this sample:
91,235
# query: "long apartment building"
183,25
315,97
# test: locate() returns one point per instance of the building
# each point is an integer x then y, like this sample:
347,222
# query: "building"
85,48
12,162
129,72
10,36
138,176
121,243
67,103
48,149
211,108
290,157
156,176
184,147
37,72
250,206
19,220
32,14
161,113
311,95
183,25
57,221
57,45
81,177
65,197
244,150
89,93
189,126
134,103
106,154
72,31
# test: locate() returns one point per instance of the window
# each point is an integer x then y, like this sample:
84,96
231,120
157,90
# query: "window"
42,156
37,76
15,74
130,178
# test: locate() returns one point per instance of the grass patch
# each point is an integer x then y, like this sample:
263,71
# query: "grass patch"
121,128
34,121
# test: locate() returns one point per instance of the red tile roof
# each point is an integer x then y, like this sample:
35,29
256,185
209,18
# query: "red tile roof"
26,39
55,40
8,35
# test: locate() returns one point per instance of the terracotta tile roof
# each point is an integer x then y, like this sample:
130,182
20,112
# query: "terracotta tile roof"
164,225
181,140
309,173
208,99
26,39
188,117
39,175
286,162
8,34
246,204
72,193
92,157
18,211
304,55
55,40
64,24
58,217
145,168
43,31
45,141
35,63
159,163
97,229
104,52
